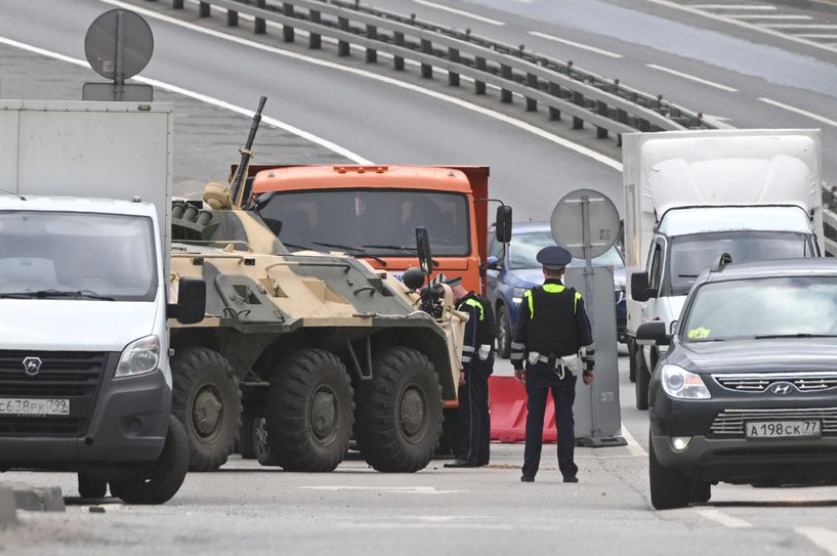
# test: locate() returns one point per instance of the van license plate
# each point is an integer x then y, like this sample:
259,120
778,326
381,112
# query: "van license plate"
24,406
782,429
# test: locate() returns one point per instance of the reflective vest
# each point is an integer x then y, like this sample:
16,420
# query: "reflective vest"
553,328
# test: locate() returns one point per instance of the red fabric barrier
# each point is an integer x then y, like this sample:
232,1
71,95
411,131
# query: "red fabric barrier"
507,400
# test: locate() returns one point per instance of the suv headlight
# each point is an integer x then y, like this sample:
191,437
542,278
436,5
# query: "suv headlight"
517,294
680,383
139,357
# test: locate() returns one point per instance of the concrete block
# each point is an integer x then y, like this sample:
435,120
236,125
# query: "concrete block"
38,499
8,506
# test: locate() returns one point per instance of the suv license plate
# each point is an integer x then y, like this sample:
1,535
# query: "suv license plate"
28,406
782,429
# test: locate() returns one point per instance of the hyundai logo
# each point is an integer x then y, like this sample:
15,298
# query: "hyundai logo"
32,365
781,388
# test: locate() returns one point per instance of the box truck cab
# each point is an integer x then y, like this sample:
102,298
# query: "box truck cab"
85,383
693,196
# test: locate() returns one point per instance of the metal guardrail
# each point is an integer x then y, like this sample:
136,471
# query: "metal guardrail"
560,87
540,80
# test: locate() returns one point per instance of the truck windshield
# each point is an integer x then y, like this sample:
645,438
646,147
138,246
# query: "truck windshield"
690,254
71,256
763,308
380,221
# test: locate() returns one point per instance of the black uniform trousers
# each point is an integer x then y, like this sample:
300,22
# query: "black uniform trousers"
474,417
539,381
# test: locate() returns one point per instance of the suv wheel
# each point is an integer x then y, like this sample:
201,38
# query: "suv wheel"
643,377
669,487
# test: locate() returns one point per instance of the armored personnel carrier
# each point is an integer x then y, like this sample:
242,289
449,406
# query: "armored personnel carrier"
322,347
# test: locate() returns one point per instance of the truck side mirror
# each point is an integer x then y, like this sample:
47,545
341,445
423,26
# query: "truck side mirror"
653,333
191,301
503,224
640,290
423,249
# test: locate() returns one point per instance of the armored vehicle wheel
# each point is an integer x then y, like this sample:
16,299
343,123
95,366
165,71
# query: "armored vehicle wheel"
399,412
207,401
504,333
309,413
91,487
245,435
261,442
166,474
669,487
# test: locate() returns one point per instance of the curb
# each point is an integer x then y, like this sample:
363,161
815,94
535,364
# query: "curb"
8,506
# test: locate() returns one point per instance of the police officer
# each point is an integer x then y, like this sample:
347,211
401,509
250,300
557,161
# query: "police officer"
552,328
478,364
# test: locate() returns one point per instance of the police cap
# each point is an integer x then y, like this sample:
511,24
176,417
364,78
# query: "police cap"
554,257
452,282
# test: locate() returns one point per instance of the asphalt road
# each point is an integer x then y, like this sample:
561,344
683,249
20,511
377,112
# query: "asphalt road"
379,121
749,63
247,509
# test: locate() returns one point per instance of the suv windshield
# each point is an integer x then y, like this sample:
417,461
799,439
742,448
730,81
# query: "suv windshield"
691,254
77,256
380,221
524,248
763,308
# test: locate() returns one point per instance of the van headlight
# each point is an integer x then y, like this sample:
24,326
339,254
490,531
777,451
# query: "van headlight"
680,383
139,357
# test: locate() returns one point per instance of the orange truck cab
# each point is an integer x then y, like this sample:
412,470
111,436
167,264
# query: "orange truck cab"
372,212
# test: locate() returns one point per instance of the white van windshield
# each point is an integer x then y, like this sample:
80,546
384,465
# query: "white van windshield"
48,255
690,254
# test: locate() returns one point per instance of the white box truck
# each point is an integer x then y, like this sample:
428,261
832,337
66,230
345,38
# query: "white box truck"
691,196
85,383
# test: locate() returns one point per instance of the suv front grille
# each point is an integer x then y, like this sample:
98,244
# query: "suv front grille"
759,382
69,375
730,422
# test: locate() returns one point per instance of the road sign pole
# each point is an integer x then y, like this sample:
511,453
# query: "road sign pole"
590,303
119,74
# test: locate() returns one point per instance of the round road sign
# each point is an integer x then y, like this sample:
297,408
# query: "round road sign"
118,44
567,222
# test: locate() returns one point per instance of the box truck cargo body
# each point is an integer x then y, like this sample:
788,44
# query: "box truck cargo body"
692,196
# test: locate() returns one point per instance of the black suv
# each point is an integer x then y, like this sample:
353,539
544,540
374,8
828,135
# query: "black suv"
747,391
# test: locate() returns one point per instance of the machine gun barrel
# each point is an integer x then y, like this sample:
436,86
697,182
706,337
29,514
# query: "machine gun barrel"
237,184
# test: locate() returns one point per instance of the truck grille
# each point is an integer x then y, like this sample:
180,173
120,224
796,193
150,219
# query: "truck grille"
63,375
730,422
804,382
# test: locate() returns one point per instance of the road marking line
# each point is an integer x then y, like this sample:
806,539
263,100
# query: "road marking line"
333,147
816,36
799,111
463,13
394,490
771,17
551,137
732,7
692,78
724,519
633,445
801,26
758,28
823,538
575,44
